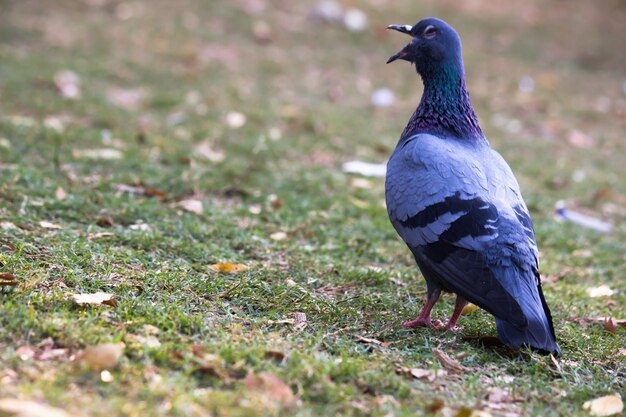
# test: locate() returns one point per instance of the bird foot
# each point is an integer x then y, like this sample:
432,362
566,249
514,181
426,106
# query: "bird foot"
423,322
454,328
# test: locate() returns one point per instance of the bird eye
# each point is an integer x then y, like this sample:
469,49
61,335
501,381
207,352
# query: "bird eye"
430,32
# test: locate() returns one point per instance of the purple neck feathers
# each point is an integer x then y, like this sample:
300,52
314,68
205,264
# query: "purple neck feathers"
445,109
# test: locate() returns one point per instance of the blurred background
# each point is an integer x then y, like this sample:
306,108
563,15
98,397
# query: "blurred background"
548,78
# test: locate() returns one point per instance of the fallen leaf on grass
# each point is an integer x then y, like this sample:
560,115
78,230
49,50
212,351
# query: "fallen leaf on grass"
212,365
275,354
228,267
68,83
371,341
448,363
127,98
278,236
48,225
192,206
418,373
60,194
206,151
95,299
13,407
271,387
43,351
99,235
102,356
616,322
104,154
600,291
502,403
469,308
7,279
137,189
25,352
605,406
7,226
148,341
609,325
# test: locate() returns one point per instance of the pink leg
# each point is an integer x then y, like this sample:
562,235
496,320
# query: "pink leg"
458,307
423,320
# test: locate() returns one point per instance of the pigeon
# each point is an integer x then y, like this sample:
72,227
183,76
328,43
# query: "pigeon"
457,205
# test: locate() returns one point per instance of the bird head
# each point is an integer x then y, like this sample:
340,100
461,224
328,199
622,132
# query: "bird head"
435,46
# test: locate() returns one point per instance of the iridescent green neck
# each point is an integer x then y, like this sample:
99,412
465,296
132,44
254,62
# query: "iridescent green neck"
445,108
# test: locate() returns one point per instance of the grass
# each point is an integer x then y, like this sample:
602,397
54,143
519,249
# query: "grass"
314,240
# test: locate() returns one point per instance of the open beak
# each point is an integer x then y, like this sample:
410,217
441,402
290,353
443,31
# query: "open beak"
400,55
403,54
406,29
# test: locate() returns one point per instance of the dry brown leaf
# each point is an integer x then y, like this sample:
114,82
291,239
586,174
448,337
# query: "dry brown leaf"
275,354
371,341
192,206
418,373
95,299
102,356
605,406
272,387
8,279
435,407
609,325
154,192
228,267
448,363
13,407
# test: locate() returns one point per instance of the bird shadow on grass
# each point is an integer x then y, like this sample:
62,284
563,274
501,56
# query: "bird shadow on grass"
494,345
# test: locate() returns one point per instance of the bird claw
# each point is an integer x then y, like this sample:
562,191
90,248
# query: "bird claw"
437,325
454,328
424,322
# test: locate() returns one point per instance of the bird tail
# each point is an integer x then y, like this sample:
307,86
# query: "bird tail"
538,335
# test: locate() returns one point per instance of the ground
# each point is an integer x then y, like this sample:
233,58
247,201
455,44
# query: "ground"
185,159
